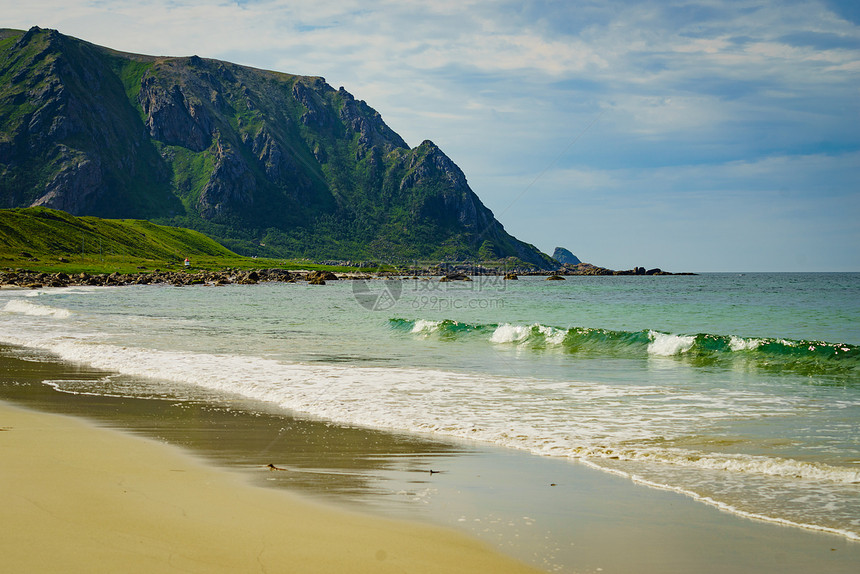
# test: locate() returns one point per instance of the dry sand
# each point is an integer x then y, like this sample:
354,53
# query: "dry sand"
78,498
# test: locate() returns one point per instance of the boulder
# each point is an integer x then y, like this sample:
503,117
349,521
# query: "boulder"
455,277
322,276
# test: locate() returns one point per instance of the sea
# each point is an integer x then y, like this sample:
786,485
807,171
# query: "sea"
738,390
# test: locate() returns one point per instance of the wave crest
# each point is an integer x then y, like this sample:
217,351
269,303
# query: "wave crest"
666,345
508,333
35,310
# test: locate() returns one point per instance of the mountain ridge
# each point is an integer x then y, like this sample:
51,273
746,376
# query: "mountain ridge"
266,162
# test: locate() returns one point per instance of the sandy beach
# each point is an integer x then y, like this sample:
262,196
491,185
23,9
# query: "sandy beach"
78,498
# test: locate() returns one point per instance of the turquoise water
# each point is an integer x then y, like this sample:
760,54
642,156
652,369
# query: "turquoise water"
741,391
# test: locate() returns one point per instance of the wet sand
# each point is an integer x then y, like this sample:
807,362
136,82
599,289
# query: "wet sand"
555,514
77,498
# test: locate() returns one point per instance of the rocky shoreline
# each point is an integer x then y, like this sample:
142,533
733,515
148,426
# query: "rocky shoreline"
37,280
26,279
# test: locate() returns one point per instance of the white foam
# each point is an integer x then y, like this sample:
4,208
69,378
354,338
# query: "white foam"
666,345
552,335
741,344
465,405
725,506
35,310
507,333
425,326
733,463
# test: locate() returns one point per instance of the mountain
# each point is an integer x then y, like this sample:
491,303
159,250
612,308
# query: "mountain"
565,257
267,163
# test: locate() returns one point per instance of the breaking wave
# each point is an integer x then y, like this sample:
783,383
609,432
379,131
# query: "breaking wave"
22,307
809,357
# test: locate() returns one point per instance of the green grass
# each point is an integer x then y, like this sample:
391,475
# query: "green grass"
130,73
191,171
48,240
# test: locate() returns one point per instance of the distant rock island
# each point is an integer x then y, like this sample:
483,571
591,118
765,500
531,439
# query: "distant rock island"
572,265
565,257
589,269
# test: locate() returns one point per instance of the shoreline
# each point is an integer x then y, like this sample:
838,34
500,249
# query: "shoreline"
553,513
79,498
34,279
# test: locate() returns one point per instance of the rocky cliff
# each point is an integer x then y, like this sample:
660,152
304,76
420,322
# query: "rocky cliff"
268,163
565,257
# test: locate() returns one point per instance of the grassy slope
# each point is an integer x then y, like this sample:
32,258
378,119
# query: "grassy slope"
106,245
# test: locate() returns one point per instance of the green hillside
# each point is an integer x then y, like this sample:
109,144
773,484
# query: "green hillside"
48,239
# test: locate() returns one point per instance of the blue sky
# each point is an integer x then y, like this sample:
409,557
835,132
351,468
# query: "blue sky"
696,135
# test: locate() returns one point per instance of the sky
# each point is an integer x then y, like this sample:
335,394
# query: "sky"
690,135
